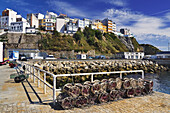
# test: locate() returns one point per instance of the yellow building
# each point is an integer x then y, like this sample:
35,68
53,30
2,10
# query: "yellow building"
100,26
47,24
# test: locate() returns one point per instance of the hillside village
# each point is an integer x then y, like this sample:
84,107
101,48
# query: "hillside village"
12,22
61,35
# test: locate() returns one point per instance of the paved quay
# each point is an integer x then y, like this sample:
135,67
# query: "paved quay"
26,97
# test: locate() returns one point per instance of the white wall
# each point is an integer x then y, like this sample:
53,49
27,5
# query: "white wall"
39,15
19,27
1,52
29,30
81,24
60,25
31,18
134,55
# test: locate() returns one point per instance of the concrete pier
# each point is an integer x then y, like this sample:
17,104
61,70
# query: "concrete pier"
26,97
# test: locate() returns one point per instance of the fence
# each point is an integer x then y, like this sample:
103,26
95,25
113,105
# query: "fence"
31,70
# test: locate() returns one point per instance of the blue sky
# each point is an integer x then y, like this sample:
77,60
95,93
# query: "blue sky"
148,20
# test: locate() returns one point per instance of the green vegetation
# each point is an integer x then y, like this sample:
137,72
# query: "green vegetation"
137,47
150,49
89,39
4,38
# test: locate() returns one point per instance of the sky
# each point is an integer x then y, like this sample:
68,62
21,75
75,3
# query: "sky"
148,20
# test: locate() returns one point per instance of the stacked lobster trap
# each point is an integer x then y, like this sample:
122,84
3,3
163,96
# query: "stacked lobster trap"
96,92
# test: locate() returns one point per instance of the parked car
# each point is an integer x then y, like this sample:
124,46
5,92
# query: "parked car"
39,57
22,57
50,57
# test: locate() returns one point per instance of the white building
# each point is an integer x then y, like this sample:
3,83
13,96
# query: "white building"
51,15
30,30
39,15
86,22
19,27
130,55
60,25
33,20
81,24
93,26
72,27
114,27
163,55
8,16
125,31
81,56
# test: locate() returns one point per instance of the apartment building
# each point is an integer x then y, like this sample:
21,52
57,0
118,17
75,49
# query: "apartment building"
8,16
47,24
72,27
125,31
99,25
19,27
111,26
114,27
65,17
51,15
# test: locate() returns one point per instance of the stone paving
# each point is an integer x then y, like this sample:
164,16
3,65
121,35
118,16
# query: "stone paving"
20,98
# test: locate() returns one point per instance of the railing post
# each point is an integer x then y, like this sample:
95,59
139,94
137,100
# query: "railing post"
25,69
38,78
45,82
31,72
34,75
54,90
91,77
143,75
120,75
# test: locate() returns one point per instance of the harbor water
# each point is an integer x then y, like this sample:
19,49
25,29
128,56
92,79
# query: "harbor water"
161,81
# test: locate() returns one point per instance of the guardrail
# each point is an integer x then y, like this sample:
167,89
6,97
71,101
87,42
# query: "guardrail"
31,70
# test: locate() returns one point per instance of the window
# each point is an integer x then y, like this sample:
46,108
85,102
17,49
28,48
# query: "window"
48,28
136,57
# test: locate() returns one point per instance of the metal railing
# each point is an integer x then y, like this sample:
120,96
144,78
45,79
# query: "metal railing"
31,70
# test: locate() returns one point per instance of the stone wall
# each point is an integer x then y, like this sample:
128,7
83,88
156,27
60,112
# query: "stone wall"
22,41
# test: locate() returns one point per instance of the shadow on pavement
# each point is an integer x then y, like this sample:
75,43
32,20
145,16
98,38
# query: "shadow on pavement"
40,102
29,98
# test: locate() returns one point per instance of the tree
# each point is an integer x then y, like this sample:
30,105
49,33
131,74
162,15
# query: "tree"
91,41
88,32
78,35
56,33
98,34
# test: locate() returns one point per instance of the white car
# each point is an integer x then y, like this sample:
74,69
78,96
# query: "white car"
50,57
39,57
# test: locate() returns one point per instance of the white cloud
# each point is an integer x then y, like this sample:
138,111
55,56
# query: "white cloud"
147,29
66,8
116,2
138,23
